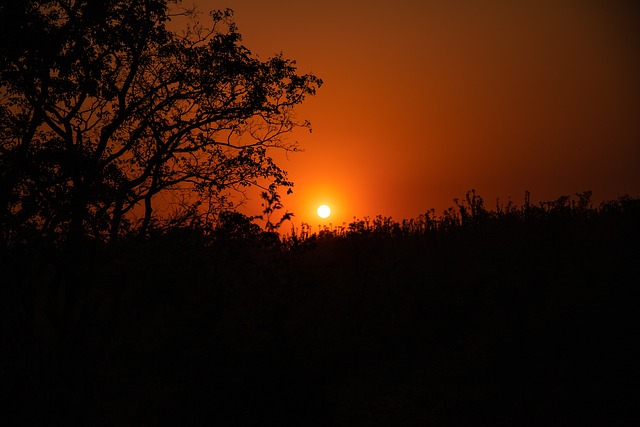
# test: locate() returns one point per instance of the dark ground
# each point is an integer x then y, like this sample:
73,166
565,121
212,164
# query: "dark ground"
505,319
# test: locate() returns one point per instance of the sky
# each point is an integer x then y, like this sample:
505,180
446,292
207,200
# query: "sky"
424,100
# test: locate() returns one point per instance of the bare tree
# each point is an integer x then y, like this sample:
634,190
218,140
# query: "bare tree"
107,114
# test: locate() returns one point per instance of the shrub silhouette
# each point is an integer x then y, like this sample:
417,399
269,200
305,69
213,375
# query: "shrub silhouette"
517,315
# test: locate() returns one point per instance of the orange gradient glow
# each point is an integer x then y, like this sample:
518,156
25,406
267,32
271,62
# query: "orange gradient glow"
424,100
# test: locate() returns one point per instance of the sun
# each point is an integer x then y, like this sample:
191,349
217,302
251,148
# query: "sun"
324,211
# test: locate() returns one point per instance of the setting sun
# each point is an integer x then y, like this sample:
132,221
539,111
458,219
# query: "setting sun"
324,211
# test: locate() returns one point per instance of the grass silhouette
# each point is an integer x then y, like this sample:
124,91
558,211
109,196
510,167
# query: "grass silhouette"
514,316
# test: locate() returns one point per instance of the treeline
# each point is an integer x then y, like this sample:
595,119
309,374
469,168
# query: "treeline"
513,316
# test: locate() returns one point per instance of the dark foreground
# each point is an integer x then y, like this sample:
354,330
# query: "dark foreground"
514,318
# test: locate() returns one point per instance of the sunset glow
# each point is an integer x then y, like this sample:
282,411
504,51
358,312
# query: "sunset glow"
502,97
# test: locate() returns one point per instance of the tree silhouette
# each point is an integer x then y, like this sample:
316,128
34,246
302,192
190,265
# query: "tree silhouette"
106,114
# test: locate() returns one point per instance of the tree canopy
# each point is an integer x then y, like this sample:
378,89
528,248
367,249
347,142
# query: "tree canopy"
112,122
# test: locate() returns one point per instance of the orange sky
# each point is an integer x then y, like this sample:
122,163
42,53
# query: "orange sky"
424,100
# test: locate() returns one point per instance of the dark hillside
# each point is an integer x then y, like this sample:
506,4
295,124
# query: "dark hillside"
522,316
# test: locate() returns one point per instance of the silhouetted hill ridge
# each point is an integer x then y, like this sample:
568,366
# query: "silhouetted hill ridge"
520,317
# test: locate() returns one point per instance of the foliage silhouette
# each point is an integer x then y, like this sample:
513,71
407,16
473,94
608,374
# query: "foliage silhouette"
515,316
111,123
112,126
